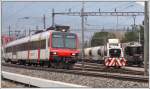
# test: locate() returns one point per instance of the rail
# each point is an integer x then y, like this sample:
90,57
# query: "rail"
128,77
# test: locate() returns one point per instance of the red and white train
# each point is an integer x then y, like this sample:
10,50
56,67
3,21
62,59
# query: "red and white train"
52,48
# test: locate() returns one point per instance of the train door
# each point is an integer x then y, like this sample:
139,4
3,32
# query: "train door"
47,49
14,53
39,44
29,46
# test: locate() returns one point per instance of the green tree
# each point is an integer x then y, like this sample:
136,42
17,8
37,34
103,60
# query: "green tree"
131,36
100,38
142,34
134,35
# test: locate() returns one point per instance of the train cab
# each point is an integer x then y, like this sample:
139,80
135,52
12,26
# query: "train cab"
63,47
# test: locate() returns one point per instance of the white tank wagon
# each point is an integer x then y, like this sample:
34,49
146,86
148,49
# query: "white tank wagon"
87,52
95,54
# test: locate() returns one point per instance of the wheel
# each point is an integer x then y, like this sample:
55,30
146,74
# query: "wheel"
117,67
68,66
140,64
41,64
49,65
53,65
60,65
19,62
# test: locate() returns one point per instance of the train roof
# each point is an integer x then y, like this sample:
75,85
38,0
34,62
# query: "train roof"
33,37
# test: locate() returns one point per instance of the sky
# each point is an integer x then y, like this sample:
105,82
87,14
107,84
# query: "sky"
141,3
13,14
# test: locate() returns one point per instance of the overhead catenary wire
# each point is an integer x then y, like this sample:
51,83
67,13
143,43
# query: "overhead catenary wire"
114,8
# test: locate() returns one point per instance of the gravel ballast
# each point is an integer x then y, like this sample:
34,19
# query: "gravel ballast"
96,82
7,84
11,84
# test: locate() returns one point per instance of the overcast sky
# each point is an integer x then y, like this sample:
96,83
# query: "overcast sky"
13,14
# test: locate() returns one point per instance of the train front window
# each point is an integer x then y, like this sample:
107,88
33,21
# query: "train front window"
70,41
57,41
64,40
133,50
115,52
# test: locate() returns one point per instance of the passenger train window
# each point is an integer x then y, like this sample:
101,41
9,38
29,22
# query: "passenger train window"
38,44
43,44
27,46
63,40
115,52
8,49
70,41
133,50
70,36
57,41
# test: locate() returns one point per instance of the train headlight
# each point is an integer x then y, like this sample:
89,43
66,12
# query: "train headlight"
54,53
73,54
141,57
63,30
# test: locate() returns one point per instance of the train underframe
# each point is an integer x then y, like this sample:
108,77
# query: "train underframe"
61,62
133,60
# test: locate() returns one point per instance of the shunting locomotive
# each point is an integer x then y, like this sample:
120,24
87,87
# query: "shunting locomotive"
110,54
54,47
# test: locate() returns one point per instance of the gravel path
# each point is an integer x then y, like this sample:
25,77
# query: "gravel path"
96,82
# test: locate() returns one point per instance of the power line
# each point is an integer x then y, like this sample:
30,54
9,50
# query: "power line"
121,5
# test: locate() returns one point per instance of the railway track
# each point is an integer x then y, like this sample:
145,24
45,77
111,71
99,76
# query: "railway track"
102,68
86,73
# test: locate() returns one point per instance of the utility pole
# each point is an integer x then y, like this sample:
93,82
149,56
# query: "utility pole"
117,23
9,30
82,26
44,22
139,37
53,17
25,33
134,26
29,31
117,20
37,27
146,39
